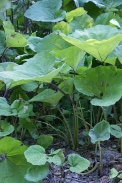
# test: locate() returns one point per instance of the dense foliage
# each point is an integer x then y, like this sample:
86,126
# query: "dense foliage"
60,75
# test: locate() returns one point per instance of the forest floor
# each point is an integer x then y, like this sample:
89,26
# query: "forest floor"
111,158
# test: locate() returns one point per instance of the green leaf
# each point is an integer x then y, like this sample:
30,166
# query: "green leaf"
75,13
35,155
4,5
46,11
114,173
63,27
99,41
103,82
98,3
116,131
30,86
13,39
71,55
100,132
56,157
82,22
118,52
2,42
78,164
5,109
21,108
45,140
40,68
33,41
37,173
120,176
105,18
48,96
5,128
13,165
55,42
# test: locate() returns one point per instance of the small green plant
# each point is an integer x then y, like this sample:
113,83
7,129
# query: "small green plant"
116,174
99,133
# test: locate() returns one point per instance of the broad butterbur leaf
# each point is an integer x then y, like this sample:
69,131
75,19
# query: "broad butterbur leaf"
40,68
100,132
77,163
103,83
99,41
35,155
46,11
13,165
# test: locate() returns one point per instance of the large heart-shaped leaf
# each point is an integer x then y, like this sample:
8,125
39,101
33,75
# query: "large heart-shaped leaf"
39,68
103,83
13,165
100,132
78,164
99,41
46,11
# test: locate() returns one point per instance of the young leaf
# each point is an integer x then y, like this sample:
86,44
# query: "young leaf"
35,155
46,11
114,173
56,157
78,164
100,132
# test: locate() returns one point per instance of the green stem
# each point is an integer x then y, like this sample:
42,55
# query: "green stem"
90,171
70,136
101,163
76,129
